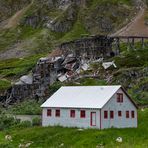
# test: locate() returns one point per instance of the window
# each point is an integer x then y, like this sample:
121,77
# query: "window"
105,114
127,114
132,114
111,114
72,113
119,113
119,97
48,112
82,114
57,113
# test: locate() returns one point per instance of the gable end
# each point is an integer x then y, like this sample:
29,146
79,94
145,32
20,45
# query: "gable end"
126,95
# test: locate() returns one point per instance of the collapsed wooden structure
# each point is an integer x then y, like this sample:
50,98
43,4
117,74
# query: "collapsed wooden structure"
73,54
94,47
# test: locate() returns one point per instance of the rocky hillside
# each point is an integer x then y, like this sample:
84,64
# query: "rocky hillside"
30,29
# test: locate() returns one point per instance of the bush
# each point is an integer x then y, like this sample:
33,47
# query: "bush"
27,107
6,145
24,124
7,122
36,121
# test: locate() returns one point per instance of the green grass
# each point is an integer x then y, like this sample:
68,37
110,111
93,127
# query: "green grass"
44,137
139,91
7,38
27,107
77,31
17,67
112,2
91,81
4,84
27,32
132,58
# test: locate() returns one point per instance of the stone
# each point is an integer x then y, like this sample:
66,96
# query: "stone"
8,137
119,139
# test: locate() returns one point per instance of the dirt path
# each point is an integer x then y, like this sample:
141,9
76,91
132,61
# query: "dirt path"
17,49
14,20
136,27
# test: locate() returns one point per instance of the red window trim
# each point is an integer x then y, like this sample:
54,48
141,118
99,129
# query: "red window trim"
127,114
133,114
119,113
105,114
72,113
82,113
57,112
49,112
119,97
111,114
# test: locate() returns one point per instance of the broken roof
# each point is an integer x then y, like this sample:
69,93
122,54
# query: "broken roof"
81,96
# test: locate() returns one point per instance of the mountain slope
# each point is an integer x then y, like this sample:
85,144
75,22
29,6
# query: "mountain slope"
32,29
62,22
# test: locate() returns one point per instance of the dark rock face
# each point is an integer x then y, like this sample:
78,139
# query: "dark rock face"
65,22
31,21
62,23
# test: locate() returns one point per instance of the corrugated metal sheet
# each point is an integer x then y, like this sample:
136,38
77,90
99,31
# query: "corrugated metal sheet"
81,96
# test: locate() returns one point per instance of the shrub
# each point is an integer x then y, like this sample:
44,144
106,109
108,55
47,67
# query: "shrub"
6,145
24,124
27,107
7,122
36,121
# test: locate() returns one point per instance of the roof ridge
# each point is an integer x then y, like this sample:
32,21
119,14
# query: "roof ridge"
94,86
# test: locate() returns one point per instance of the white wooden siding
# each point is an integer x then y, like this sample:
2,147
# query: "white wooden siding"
112,105
119,122
66,121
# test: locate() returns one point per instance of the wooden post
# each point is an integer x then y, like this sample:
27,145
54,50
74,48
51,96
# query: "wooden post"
133,42
142,42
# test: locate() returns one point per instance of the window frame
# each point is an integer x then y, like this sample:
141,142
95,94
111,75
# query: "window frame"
111,114
57,113
105,114
49,112
82,114
132,114
72,113
119,113
119,97
127,114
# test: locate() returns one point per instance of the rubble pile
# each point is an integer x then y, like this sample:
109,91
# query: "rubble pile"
64,64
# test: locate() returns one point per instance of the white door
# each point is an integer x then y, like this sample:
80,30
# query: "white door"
93,118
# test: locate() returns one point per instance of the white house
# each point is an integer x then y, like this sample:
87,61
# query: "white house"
90,107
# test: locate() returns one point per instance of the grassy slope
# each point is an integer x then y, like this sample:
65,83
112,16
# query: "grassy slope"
135,61
71,137
12,69
40,40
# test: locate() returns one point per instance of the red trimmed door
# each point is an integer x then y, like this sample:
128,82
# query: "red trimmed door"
93,118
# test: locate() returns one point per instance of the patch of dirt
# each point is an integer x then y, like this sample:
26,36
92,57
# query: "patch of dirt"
55,53
14,20
16,51
136,27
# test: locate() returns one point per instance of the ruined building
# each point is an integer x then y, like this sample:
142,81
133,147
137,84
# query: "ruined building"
72,57
92,47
